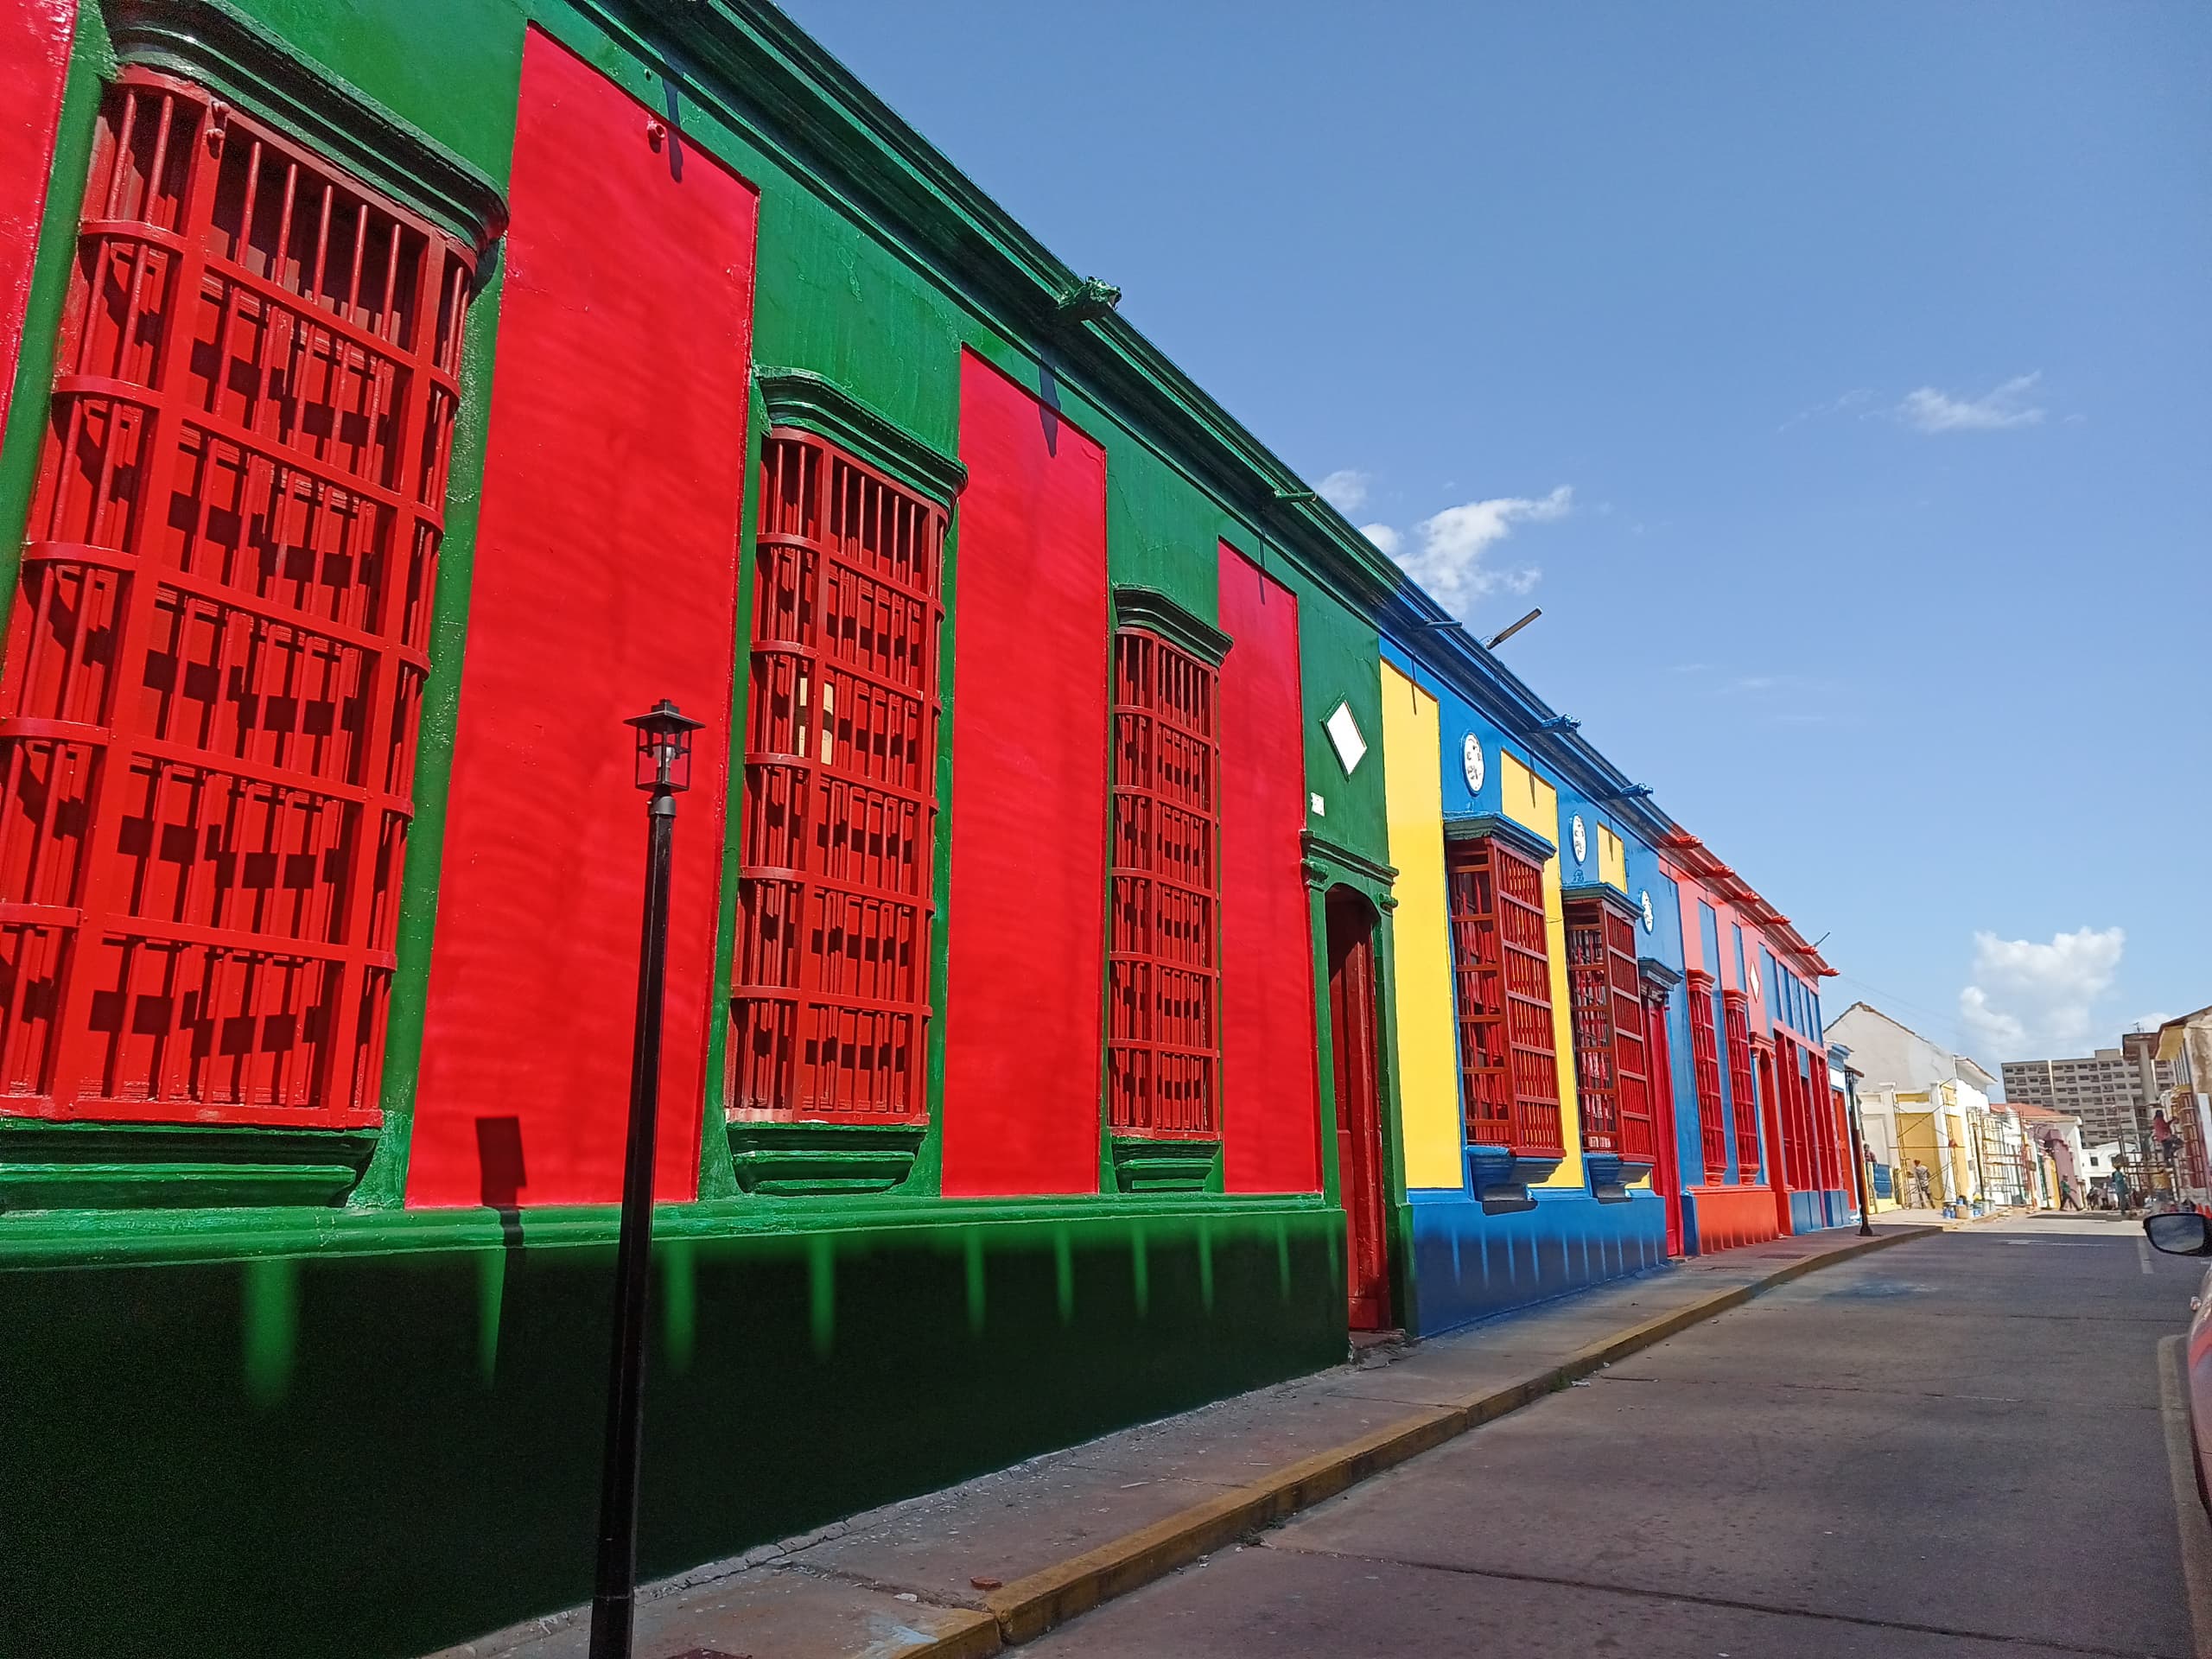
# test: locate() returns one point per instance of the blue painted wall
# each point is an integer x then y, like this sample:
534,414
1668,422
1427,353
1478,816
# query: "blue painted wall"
1469,1266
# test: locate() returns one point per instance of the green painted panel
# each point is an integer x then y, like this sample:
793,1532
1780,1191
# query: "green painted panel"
375,1454
1337,653
1162,531
451,67
834,300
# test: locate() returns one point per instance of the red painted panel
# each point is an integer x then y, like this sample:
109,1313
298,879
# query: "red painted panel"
1729,1218
606,578
34,64
1271,1107
1025,978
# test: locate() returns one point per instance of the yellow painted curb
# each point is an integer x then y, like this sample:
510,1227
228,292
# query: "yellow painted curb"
972,1636
1028,1607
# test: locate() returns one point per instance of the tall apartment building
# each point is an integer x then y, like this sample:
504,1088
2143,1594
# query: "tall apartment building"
2112,1091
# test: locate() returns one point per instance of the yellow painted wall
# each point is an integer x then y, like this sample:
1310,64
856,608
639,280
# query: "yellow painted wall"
1420,945
1533,804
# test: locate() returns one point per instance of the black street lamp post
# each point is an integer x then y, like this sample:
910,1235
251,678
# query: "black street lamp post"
663,771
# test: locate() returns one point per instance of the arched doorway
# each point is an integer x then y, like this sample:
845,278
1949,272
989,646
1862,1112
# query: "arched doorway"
1360,1179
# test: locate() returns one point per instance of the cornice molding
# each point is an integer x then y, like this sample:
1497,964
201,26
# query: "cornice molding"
814,402
1496,827
1326,860
1137,607
212,43
1661,976
1607,894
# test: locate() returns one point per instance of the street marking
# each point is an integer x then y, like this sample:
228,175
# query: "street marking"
2064,1243
2143,1255
2188,1508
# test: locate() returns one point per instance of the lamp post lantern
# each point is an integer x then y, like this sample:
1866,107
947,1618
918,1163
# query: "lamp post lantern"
663,771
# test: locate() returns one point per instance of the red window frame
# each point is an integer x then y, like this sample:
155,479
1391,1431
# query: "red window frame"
829,1005
1611,1068
1164,965
1735,1010
1705,1063
1501,976
218,647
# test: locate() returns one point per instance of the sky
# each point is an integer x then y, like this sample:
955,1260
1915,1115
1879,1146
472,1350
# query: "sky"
1837,378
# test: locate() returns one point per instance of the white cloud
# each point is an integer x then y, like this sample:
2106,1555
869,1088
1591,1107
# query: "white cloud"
1931,411
1345,490
1448,558
1857,397
2035,1002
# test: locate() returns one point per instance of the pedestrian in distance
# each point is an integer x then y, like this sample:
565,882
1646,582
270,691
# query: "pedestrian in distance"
2121,1192
1924,1186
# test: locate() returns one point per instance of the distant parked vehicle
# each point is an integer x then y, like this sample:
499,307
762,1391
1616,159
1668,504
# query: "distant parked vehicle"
2185,1232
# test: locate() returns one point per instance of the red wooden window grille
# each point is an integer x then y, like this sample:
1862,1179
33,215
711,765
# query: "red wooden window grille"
1811,1162
1737,1011
1705,1062
216,656
1501,974
1789,1156
1164,990
830,1007
1611,1073
1821,1100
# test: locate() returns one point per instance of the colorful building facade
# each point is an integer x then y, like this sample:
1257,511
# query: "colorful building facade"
1114,948
1589,1083
1528,977
1773,1151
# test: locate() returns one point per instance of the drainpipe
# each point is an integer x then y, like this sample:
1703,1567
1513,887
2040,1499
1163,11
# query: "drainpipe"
1858,1152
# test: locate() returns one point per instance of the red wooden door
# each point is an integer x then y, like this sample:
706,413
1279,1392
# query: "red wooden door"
1359,1122
1666,1172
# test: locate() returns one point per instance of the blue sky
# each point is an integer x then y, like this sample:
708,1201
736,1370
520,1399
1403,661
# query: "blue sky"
1839,379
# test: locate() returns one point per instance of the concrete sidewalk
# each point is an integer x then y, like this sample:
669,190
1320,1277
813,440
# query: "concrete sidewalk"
1003,1558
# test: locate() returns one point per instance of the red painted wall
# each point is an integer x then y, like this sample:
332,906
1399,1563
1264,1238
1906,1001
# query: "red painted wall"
606,578
1271,1111
1025,1007
34,63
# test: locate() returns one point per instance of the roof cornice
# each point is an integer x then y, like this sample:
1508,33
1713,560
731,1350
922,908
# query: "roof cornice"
1425,631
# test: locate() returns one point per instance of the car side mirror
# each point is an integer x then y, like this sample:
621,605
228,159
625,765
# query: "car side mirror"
2183,1232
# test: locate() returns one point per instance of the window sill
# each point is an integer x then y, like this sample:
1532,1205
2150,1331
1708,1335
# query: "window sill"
781,1158
1144,1164
45,1165
1612,1175
1500,1178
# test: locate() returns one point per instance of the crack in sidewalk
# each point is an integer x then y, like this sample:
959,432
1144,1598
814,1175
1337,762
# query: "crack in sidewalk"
1729,1603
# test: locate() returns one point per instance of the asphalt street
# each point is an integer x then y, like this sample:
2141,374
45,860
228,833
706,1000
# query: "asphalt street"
1951,1449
